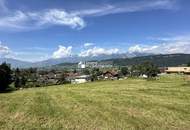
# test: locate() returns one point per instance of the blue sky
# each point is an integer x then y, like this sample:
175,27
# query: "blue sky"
37,30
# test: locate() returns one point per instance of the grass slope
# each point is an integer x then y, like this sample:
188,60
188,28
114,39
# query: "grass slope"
129,104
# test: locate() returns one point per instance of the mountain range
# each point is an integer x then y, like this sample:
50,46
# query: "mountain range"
166,60
16,63
118,59
72,59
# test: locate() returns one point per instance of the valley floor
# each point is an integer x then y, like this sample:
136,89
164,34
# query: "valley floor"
133,104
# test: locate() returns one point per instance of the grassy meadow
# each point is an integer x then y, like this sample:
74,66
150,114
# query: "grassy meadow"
132,104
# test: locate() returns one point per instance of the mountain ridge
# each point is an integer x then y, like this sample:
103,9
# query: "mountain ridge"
118,59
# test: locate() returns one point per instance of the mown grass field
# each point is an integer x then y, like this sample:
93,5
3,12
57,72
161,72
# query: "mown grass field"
133,104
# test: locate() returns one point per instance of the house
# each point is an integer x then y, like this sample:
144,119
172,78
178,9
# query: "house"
81,79
184,70
50,78
162,69
71,76
144,76
90,64
110,75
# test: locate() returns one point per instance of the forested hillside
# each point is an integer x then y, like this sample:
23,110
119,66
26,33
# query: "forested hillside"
159,60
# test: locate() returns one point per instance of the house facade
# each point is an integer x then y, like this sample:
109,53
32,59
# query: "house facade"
184,70
81,79
110,75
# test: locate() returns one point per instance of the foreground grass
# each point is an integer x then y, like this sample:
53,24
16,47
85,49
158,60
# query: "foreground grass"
133,104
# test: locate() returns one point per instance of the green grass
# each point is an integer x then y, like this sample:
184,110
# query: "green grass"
133,104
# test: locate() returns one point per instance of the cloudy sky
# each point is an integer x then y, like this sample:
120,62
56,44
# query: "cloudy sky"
37,30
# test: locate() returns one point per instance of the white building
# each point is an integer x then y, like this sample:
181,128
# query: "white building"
185,70
95,64
81,79
82,65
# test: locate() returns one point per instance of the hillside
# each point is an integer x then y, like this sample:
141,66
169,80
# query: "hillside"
16,63
159,60
129,104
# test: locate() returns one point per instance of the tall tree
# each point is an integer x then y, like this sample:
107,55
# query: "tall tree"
124,71
95,73
5,76
149,69
17,80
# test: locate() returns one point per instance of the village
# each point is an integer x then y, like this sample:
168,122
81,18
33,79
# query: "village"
85,72
89,72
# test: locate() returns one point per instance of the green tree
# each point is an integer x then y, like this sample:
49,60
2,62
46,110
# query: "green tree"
62,79
95,73
188,64
135,71
19,78
5,76
17,81
146,68
23,81
86,72
124,71
149,69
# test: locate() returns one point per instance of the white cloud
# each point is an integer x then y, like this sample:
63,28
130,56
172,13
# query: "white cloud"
3,6
169,39
29,56
179,44
142,48
62,52
22,20
128,7
88,44
60,17
96,51
15,21
4,50
23,55
35,20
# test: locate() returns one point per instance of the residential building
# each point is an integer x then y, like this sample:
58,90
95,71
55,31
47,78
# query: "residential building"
81,79
185,70
110,75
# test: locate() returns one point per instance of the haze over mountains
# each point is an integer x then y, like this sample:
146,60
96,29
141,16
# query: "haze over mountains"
72,59
76,58
119,59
